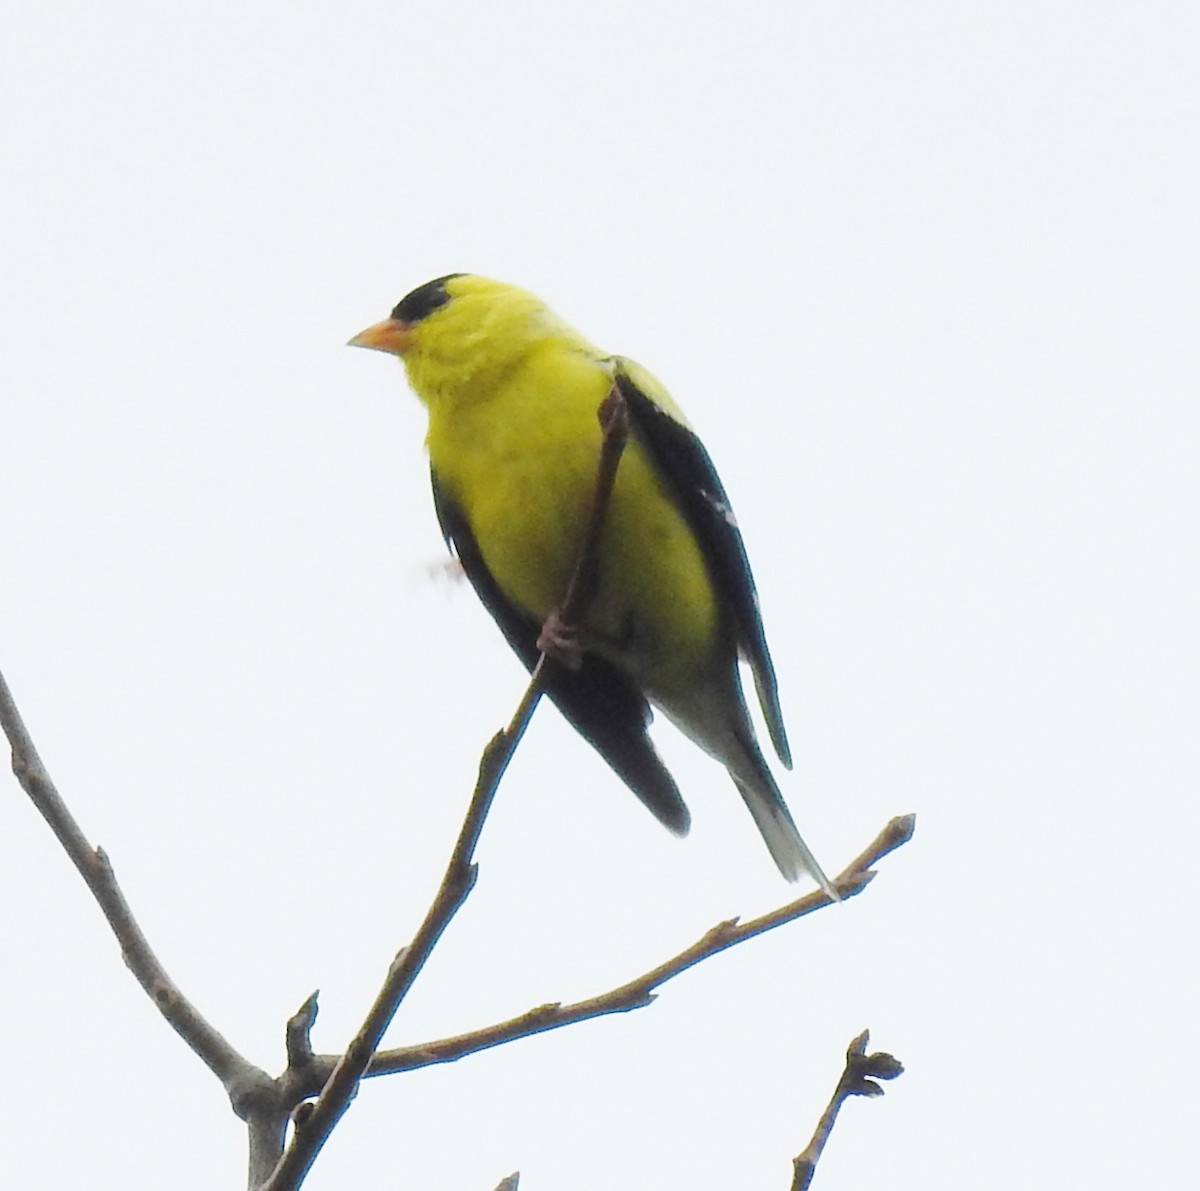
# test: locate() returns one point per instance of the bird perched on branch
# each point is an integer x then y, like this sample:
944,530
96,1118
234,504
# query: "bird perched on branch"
512,394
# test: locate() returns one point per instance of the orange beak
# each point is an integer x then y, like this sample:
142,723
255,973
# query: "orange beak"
392,335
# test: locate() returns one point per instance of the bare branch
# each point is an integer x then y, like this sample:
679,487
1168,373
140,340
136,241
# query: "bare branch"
857,1079
315,1124
254,1095
94,866
639,992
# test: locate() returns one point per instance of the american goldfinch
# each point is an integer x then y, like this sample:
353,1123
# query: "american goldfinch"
512,394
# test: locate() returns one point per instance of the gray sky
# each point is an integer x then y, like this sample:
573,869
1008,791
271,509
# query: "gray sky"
924,278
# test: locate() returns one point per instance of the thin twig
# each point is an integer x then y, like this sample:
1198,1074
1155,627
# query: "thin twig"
318,1122
857,1079
614,424
638,992
634,994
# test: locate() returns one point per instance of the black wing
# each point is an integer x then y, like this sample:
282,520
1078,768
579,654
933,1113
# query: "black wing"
604,705
690,474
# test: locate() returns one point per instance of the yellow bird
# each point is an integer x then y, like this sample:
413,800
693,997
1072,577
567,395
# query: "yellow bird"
512,394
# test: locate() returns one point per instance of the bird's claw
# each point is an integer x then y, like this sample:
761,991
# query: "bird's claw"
561,641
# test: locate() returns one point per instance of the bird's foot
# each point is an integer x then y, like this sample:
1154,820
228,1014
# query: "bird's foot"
561,641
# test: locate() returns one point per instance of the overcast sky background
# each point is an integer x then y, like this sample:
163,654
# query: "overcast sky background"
923,275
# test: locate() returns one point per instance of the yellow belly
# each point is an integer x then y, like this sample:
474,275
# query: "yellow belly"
520,461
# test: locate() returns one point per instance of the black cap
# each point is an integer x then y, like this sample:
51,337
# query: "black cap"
424,300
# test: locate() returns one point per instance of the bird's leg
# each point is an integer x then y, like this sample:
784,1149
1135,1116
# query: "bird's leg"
561,640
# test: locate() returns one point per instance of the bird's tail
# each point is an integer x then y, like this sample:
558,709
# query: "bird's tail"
778,829
714,715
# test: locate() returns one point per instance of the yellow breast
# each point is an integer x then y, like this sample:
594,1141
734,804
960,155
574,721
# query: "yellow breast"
520,460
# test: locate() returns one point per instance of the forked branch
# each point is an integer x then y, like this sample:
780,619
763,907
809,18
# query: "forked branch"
857,1079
